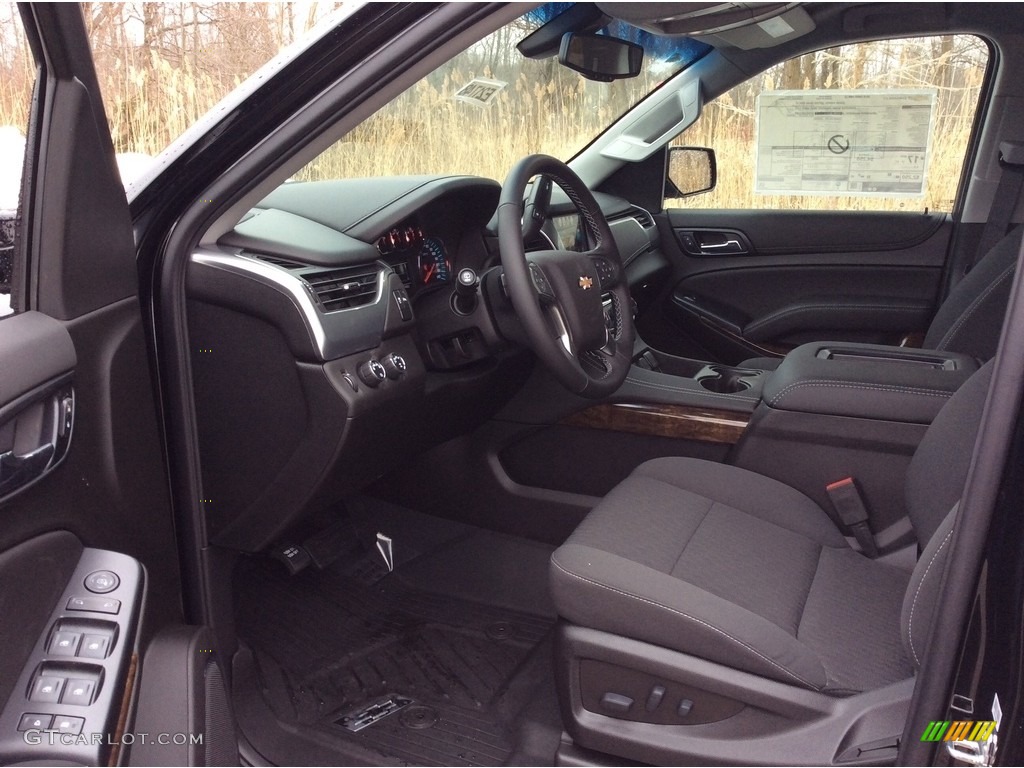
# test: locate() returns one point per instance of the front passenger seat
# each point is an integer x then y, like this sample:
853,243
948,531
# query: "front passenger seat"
968,321
719,564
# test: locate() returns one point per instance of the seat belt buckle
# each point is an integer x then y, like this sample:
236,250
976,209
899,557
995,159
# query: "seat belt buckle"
849,504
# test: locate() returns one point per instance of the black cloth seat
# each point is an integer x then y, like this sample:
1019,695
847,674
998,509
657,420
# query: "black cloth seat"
970,318
734,567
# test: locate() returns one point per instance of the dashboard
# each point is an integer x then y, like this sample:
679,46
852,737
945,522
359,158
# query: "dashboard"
332,338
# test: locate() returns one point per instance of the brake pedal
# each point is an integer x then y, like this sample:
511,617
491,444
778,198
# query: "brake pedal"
331,543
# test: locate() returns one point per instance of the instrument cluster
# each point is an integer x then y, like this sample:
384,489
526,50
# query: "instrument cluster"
419,259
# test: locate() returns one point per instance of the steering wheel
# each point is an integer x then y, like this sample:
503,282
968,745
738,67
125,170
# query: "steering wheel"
559,295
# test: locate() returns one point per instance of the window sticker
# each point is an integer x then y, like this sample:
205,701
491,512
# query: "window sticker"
858,143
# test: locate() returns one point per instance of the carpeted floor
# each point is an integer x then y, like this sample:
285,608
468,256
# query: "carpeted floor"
453,645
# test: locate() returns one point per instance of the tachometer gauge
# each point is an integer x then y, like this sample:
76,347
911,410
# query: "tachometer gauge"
434,264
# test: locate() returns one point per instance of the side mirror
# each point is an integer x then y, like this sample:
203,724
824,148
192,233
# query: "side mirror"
600,57
691,171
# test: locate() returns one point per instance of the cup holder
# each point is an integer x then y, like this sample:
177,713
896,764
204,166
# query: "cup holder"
726,381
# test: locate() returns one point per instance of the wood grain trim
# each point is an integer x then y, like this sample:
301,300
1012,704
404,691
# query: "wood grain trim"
708,425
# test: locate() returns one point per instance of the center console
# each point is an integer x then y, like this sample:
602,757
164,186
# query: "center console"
867,381
831,410
835,410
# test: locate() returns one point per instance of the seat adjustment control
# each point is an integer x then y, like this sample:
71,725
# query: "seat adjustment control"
372,373
654,698
616,703
685,706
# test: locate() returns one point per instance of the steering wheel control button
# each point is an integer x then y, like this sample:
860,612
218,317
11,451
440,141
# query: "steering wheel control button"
540,281
69,725
395,366
46,690
372,373
94,647
94,604
64,644
605,271
616,703
78,692
102,582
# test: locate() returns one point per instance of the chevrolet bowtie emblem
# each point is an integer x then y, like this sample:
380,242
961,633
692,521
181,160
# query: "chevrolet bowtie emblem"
586,283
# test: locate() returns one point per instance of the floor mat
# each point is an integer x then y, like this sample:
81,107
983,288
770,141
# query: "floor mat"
448,662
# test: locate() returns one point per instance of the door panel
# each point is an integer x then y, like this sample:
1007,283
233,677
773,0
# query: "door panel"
98,500
36,400
787,277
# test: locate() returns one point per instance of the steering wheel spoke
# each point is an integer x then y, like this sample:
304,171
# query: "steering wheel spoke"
560,330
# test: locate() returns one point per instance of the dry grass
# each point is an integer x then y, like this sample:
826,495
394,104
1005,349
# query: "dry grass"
544,109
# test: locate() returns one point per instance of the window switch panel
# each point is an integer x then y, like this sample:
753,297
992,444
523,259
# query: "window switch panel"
46,689
64,724
94,647
95,604
34,722
78,692
64,643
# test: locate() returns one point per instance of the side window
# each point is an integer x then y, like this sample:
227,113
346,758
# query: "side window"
17,77
880,126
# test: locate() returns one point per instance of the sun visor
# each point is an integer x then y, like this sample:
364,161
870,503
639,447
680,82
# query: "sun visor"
669,117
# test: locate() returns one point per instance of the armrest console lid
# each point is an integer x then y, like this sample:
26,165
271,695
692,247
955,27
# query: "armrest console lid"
868,381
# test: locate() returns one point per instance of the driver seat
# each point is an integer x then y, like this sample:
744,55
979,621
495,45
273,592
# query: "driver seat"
745,590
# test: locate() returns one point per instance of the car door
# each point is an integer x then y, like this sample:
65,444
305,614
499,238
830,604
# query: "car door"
833,208
88,556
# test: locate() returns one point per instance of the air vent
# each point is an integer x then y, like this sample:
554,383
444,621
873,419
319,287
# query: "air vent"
277,261
643,217
344,288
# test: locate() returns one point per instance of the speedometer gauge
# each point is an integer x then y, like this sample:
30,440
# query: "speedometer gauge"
433,263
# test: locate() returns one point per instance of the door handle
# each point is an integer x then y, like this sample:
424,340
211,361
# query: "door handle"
46,423
729,246
713,242
16,471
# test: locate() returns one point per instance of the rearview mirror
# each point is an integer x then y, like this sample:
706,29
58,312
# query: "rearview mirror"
600,57
691,171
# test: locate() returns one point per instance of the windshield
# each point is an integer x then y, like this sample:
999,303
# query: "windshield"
489,106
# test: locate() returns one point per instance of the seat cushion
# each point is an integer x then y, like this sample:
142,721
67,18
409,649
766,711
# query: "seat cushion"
730,566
